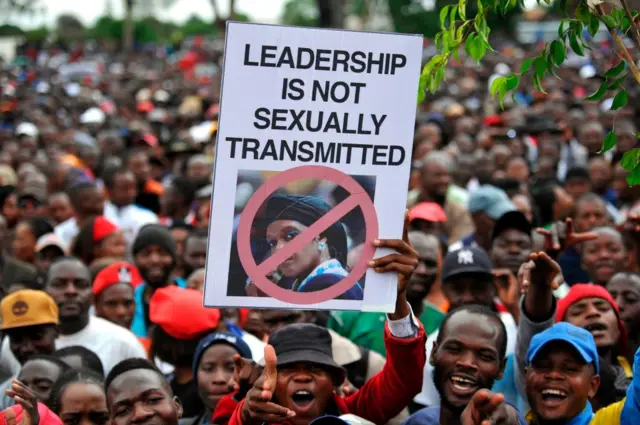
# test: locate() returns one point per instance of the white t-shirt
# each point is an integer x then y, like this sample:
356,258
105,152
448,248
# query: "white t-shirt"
130,219
429,395
112,343
67,231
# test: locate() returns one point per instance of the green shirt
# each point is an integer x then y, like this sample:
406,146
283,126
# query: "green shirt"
367,329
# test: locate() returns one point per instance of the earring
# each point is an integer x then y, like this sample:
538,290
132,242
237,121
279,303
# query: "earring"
321,246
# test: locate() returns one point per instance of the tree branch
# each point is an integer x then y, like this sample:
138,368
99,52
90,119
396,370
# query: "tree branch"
621,48
636,30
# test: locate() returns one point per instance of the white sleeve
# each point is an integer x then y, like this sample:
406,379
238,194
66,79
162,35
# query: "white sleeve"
407,327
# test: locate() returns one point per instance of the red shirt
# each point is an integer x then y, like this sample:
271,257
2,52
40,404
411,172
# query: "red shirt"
381,398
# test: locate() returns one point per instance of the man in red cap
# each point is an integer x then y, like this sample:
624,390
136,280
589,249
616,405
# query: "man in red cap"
113,293
587,306
428,217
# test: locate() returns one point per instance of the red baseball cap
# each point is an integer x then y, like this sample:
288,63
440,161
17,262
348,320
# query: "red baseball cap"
120,272
429,211
181,313
103,227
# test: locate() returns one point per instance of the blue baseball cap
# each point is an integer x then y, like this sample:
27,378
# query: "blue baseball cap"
578,338
490,200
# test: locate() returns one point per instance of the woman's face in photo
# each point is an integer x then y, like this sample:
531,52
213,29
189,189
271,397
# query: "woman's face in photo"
279,234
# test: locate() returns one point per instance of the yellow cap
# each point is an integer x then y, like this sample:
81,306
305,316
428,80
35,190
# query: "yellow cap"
28,308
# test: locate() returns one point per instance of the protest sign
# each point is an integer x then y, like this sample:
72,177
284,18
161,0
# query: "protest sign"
312,164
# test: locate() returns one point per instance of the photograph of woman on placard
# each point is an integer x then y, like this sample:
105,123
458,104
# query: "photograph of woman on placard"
319,264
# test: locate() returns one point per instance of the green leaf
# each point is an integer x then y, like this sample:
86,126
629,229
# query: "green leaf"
634,178
422,88
438,40
540,66
536,82
576,46
512,82
561,27
462,9
443,16
557,52
477,48
460,31
616,84
609,21
582,13
617,15
563,6
616,70
498,85
598,94
594,25
620,100
625,24
453,14
508,5
526,65
630,159
609,142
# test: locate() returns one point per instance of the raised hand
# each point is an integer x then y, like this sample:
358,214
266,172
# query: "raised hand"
561,236
258,408
246,373
23,396
487,408
541,270
537,278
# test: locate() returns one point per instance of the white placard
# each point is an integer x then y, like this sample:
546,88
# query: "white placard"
312,164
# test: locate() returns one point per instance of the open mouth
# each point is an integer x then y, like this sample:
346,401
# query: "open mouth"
597,329
553,396
302,398
463,384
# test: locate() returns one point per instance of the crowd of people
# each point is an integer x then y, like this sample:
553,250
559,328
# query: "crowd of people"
518,274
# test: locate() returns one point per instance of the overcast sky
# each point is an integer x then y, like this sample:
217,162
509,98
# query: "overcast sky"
89,10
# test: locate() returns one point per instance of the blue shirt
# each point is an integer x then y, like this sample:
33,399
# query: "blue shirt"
139,324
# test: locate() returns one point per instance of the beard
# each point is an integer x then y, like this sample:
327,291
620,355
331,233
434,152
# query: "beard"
156,282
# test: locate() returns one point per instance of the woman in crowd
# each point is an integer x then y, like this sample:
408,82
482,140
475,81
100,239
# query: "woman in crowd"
28,231
78,398
9,205
320,264
99,238
213,371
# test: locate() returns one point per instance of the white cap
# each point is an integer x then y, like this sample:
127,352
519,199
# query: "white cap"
92,116
502,69
587,72
27,129
43,87
72,89
161,96
143,94
606,104
201,133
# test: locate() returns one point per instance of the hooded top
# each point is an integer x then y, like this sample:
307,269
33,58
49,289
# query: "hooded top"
306,210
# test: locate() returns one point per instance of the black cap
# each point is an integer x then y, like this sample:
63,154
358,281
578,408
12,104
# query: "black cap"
306,343
466,260
511,220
